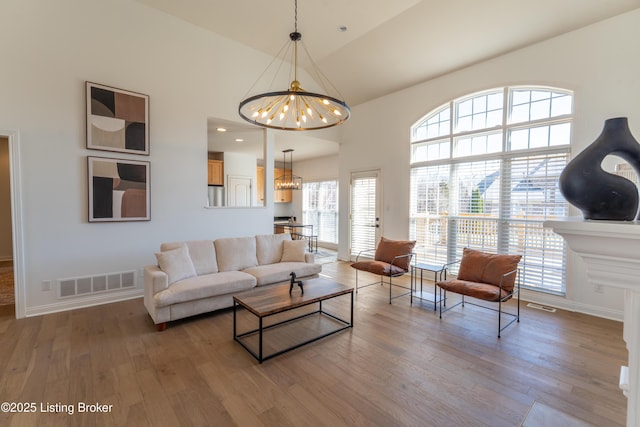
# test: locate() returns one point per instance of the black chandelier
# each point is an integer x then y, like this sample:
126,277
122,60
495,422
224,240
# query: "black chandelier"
288,181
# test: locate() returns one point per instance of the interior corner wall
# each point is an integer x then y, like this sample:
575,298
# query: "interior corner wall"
6,241
599,63
49,50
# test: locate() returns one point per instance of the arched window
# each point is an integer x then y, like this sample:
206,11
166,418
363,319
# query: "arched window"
484,175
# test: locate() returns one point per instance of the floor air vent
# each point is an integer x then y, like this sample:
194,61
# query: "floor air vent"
79,286
541,307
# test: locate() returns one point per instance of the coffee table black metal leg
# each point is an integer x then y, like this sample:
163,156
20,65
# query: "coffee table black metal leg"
260,341
352,309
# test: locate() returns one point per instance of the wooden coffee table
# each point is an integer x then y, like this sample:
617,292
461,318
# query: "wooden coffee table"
274,300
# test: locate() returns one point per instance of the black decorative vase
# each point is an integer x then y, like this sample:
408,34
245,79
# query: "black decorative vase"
597,193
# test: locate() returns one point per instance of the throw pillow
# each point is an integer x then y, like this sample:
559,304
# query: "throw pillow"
388,249
269,247
472,265
201,252
293,250
176,263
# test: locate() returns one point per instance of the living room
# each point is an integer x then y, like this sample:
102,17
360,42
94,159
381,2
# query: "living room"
185,71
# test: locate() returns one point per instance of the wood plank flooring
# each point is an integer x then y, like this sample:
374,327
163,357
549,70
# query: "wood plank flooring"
399,366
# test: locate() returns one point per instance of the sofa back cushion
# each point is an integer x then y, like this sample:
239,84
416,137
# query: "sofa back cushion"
176,263
269,247
236,253
202,253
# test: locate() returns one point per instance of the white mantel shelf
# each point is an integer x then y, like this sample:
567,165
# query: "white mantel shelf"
611,251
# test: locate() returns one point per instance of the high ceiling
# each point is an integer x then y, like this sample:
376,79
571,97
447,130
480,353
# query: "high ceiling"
395,44
391,45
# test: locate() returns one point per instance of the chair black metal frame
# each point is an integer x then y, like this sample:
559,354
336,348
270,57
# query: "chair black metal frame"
381,281
516,291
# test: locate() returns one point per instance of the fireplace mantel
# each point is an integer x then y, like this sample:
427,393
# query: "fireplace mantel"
611,251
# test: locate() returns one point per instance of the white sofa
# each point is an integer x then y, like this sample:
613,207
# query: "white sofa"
200,276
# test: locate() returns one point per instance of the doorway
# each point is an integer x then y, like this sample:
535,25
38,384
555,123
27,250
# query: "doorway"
11,140
7,284
239,191
364,215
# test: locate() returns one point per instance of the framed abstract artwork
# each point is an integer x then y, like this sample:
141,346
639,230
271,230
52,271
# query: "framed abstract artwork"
117,120
118,190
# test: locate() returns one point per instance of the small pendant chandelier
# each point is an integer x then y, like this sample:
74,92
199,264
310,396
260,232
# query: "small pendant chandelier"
288,181
294,108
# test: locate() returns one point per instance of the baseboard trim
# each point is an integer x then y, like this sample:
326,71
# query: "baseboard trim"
76,303
564,304
527,295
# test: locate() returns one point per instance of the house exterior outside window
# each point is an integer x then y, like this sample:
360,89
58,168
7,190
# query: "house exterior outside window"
320,209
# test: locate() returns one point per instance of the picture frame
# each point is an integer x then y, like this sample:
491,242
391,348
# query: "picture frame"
119,189
117,119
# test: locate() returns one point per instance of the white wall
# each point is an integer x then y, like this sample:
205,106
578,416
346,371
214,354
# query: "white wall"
6,242
49,50
600,63
318,169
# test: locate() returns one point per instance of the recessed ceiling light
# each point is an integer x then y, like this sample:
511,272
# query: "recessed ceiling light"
221,129
239,140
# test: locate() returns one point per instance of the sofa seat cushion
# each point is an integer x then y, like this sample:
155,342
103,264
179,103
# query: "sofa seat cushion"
208,285
279,272
482,291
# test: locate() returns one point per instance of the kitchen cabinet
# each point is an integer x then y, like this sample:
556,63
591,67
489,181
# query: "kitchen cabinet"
215,172
260,184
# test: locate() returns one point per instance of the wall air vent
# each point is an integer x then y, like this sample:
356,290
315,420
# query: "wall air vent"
541,307
88,285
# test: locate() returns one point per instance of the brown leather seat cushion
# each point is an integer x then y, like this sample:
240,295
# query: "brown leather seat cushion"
379,267
482,291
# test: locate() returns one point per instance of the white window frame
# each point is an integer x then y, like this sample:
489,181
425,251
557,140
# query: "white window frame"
540,260
315,218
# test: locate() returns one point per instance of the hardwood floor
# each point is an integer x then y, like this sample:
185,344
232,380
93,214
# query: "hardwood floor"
399,365
6,283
